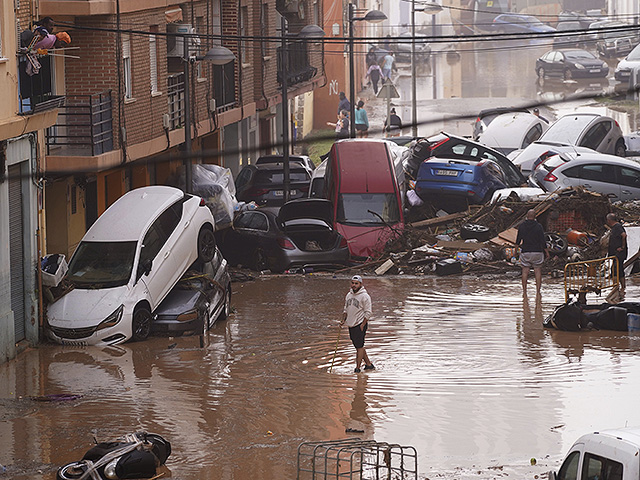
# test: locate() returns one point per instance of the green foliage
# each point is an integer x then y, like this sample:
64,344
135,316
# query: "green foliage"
319,142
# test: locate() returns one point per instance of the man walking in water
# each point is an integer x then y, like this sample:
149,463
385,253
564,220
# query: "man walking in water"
357,312
618,245
532,250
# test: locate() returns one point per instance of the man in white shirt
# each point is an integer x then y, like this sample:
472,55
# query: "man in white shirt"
356,314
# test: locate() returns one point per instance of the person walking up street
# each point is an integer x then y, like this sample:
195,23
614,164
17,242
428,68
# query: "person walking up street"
618,246
533,250
374,74
394,128
387,66
344,103
361,121
357,313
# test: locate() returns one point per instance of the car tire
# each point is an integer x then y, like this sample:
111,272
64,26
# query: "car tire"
555,243
141,324
620,150
260,260
71,471
567,75
474,231
226,308
206,245
541,73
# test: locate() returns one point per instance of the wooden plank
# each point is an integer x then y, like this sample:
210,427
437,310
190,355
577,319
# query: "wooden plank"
510,235
438,220
460,246
382,269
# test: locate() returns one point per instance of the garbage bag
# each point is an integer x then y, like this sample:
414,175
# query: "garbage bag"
568,317
611,318
215,185
54,267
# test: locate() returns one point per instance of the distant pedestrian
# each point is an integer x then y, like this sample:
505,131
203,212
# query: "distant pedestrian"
532,250
374,74
536,112
618,246
341,125
361,121
357,313
387,66
372,57
394,126
344,103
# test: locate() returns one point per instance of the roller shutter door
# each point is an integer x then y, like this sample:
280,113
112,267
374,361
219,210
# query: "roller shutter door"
16,253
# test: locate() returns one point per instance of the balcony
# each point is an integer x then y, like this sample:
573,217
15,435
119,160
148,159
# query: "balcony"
84,126
296,64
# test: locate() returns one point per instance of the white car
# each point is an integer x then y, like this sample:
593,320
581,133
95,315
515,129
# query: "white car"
588,130
127,263
513,131
626,65
617,178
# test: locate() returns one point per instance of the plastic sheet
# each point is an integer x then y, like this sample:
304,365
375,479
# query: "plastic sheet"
215,184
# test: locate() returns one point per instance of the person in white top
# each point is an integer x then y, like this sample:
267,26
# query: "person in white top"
356,314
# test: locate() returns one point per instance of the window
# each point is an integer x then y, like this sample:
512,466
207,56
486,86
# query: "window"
153,60
159,233
126,65
600,468
629,177
244,19
356,208
569,469
264,30
596,135
532,135
573,172
599,172
216,22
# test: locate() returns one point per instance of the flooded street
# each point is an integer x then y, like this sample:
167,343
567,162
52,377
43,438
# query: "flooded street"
465,373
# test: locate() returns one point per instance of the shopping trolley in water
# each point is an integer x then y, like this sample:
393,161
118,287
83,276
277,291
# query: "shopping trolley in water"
590,276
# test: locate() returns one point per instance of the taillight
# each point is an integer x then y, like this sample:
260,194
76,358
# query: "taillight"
286,244
550,177
202,202
259,191
343,242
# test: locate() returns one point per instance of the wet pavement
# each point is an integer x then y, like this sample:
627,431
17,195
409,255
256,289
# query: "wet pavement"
465,373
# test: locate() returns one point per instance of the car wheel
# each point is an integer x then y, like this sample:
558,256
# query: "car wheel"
621,150
555,243
206,245
71,471
226,308
475,231
541,73
567,75
260,260
141,324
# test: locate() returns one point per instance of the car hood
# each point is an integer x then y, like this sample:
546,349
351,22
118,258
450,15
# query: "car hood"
589,62
368,241
313,208
627,64
85,308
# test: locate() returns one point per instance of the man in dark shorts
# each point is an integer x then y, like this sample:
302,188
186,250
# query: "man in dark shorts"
357,312
532,250
618,245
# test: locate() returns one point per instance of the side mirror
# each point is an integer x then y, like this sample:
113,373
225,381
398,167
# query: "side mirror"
146,266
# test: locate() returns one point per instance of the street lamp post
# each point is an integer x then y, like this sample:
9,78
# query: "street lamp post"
372,16
308,31
218,55
431,8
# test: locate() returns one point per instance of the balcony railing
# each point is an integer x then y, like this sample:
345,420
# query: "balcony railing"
295,64
36,90
84,126
175,97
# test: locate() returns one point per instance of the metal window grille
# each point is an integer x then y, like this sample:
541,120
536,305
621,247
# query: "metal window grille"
153,63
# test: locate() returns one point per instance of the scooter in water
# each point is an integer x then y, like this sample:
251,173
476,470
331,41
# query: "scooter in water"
137,455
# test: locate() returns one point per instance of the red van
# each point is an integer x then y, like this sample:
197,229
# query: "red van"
364,180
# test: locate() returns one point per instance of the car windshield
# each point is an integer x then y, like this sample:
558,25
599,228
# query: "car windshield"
276,177
532,21
356,208
567,129
102,264
635,54
579,55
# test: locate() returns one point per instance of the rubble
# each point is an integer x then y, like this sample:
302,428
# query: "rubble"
574,215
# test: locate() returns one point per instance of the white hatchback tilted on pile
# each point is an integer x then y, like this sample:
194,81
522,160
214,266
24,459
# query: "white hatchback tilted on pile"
127,262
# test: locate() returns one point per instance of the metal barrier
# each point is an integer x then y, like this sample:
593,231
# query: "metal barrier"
356,459
591,276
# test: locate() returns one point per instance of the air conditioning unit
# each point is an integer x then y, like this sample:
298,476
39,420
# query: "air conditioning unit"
175,45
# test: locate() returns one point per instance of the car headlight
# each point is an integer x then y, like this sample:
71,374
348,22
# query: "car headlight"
188,316
113,319
579,66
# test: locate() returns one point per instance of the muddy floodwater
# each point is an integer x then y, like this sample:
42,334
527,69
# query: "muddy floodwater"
465,373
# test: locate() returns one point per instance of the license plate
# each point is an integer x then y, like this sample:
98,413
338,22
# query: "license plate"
594,70
447,173
280,193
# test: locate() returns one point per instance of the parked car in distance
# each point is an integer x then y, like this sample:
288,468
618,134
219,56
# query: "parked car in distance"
593,131
316,190
127,263
200,298
536,153
575,39
618,178
568,64
622,72
513,131
264,183
299,235
632,141
516,23
607,454
365,183
486,116
614,39
303,160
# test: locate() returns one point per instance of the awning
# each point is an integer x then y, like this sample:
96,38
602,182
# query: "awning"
173,15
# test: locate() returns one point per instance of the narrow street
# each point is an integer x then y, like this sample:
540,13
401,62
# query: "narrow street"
465,373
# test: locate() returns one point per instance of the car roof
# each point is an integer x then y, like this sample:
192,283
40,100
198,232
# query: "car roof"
130,216
586,157
280,158
358,160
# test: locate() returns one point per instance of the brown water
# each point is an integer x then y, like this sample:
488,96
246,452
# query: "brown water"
465,373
